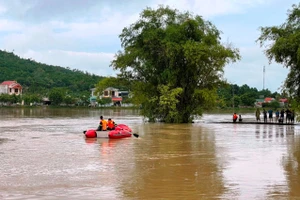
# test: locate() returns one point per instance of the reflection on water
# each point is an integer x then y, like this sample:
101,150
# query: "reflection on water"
44,155
270,131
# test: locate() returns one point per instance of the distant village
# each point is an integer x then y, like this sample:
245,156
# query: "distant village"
259,102
116,96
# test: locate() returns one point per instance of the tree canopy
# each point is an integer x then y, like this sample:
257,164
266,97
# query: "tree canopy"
174,63
282,44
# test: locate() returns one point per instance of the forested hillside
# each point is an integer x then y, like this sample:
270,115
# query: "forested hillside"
40,78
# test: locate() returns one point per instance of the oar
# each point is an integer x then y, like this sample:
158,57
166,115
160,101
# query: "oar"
135,135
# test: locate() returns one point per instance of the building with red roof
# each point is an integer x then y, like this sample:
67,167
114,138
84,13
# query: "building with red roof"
283,100
269,99
115,94
10,87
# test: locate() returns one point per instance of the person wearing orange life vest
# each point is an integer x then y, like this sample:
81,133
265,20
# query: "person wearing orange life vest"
235,117
102,124
110,124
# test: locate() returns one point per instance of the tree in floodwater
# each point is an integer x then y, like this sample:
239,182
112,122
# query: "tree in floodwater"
174,62
282,44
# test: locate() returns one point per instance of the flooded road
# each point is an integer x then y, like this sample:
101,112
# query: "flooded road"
43,155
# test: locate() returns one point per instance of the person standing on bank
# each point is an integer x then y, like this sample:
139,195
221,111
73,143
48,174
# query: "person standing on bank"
102,124
277,115
270,115
281,119
257,114
265,116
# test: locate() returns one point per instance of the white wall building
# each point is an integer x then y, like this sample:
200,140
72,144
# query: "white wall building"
10,87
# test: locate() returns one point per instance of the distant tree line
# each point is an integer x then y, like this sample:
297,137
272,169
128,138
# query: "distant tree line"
232,95
72,87
40,79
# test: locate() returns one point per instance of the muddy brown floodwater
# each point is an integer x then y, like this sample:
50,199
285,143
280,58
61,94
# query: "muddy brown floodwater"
43,155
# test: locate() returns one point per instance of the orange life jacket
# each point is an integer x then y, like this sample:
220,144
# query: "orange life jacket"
104,124
111,124
235,116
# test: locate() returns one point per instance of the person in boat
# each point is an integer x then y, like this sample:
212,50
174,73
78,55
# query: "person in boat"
235,117
102,124
240,118
111,124
257,114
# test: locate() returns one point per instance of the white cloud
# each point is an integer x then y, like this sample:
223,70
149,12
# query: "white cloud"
212,8
7,25
84,34
2,9
250,70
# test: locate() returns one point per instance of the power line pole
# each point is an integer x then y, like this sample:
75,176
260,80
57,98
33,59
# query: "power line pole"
264,70
233,96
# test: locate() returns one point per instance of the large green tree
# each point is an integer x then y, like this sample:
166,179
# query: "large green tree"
282,44
174,62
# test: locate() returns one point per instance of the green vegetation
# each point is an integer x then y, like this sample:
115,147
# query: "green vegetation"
282,45
241,96
10,98
174,63
38,78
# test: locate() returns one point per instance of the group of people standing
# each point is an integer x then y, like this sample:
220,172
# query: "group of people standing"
106,125
279,115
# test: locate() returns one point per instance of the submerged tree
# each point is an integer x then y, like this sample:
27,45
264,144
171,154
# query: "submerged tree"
174,62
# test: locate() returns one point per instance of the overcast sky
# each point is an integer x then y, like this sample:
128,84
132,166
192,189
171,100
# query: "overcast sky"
83,34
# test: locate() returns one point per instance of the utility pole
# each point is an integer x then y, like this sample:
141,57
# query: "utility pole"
233,96
264,70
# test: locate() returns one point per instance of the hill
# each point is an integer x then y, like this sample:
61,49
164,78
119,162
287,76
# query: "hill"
40,78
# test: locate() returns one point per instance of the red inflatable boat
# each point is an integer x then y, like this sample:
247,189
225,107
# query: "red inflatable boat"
117,134
121,131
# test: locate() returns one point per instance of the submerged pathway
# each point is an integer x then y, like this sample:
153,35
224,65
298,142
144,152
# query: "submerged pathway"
254,122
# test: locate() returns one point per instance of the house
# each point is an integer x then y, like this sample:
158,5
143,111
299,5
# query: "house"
259,102
269,100
115,94
10,87
46,101
283,102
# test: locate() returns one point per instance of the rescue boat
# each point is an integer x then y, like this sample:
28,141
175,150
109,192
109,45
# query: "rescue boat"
120,131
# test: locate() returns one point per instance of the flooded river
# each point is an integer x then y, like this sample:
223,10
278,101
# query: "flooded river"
43,155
